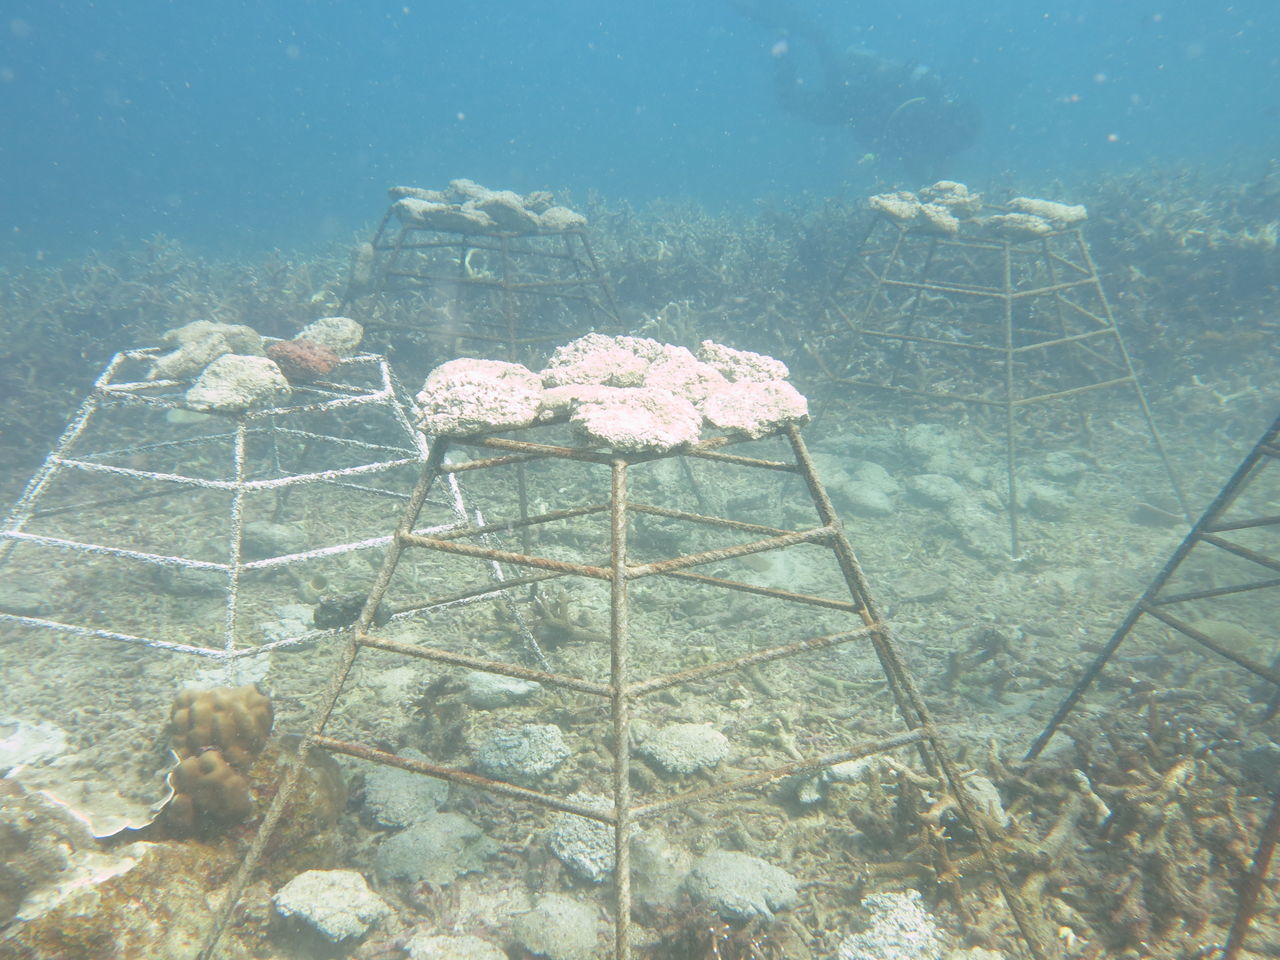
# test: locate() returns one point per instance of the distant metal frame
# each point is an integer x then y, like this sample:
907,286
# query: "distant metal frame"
392,271
1062,273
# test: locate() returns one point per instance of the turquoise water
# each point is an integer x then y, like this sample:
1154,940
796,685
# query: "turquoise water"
247,125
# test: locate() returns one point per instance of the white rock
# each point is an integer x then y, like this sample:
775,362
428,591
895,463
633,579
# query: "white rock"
468,396
445,217
559,928
685,747
235,383
199,344
1064,214
609,365
342,335
684,375
755,408
738,885
1019,226
337,904
507,210
584,845
937,218
899,929
901,206
639,420
740,365
488,691
558,401
597,358
560,219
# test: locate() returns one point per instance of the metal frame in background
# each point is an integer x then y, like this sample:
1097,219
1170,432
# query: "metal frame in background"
619,689
84,450
1208,532
522,268
1006,276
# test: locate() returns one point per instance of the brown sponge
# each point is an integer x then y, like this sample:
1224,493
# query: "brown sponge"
235,721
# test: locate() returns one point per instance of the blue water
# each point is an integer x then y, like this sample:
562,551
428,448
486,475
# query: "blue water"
241,126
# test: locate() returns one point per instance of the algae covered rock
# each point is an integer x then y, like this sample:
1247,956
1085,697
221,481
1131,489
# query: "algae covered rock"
398,798
436,850
522,756
149,900
584,845
684,748
559,928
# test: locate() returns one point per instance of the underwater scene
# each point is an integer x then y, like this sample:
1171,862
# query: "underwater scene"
746,480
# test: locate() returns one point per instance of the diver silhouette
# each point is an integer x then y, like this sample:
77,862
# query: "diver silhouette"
898,110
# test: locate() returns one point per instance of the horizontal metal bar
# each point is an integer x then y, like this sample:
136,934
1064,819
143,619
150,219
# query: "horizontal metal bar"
437,655
706,519
1059,341
1261,559
1074,391
506,556
462,778
762,777
653,684
815,535
488,462
1229,525
931,394
742,461
1215,592
507,526
810,599
474,593
936,341
1052,288
1265,672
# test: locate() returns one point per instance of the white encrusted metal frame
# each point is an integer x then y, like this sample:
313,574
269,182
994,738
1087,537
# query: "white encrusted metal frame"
114,388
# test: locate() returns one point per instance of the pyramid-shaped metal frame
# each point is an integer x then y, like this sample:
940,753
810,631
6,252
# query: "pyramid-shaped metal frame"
1209,534
361,382
619,690
909,270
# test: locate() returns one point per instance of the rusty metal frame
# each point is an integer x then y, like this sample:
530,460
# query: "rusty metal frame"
620,689
1080,273
1209,530
585,283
